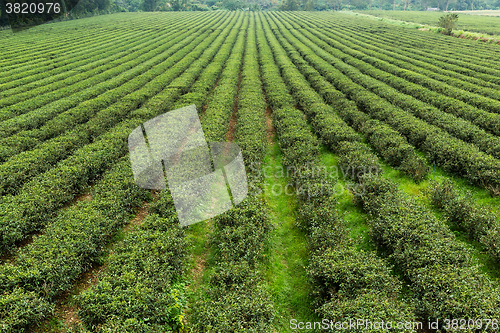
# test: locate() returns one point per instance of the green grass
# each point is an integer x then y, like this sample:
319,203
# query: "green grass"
201,263
288,253
357,219
353,214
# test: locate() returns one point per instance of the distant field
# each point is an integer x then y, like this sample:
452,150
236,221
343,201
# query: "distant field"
479,22
480,12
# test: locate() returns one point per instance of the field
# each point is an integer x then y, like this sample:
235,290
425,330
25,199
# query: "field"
476,21
372,155
480,12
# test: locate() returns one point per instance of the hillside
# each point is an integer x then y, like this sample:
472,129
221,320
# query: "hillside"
372,156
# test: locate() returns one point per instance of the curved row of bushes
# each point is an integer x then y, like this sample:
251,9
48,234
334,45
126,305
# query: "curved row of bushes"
234,298
69,90
433,68
349,28
250,130
141,288
482,58
70,245
41,197
423,249
49,122
333,131
100,306
32,85
221,104
488,121
26,165
106,305
91,56
39,61
128,290
452,154
477,221
423,88
388,143
340,273
440,269
205,86
12,49
457,127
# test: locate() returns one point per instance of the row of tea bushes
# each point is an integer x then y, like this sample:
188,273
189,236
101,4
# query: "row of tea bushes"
37,111
202,89
388,143
452,154
459,128
159,236
28,164
101,307
16,60
341,275
96,57
428,254
480,58
484,119
70,245
434,69
41,197
220,108
234,298
421,247
141,288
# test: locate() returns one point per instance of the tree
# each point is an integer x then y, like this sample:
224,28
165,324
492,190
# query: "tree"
359,4
179,5
448,22
309,5
103,4
232,4
4,19
336,4
443,4
406,4
150,5
381,4
290,5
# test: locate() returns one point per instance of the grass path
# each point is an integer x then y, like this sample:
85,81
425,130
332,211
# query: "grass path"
287,257
200,261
